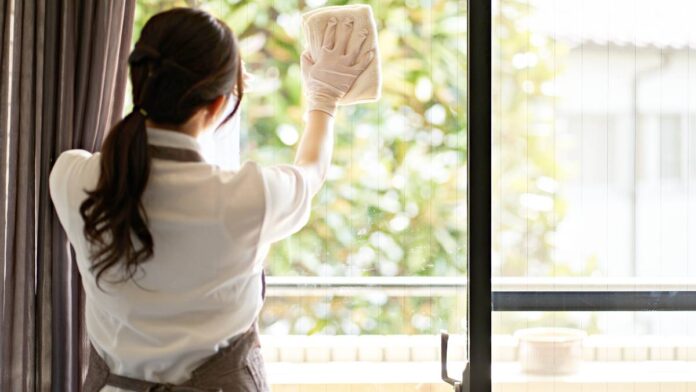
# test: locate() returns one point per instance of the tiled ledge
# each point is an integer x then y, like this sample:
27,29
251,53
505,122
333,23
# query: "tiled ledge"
424,348
344,348
356,373
641,376
616,348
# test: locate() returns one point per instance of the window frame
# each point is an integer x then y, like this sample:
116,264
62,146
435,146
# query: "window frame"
479,202
481,298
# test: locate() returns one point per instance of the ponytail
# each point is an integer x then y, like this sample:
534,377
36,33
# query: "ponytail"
184,59
115,208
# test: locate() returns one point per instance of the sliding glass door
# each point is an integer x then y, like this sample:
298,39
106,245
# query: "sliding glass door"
526,183
593,260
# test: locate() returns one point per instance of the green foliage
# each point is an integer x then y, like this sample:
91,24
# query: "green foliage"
525,171
395,202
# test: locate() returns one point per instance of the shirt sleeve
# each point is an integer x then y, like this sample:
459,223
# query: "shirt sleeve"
59,181
288,201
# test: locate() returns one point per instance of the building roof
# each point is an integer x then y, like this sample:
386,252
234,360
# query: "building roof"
656,23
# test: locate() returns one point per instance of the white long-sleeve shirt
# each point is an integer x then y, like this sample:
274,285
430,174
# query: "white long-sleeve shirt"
211,230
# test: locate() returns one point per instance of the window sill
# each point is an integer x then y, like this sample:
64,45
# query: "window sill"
641,375
425,348
507,376
396,374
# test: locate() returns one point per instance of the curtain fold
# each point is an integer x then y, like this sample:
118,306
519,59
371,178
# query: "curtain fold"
63,78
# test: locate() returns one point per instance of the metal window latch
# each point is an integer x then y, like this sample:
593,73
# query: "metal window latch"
459,386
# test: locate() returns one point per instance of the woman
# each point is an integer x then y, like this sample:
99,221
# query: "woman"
171,248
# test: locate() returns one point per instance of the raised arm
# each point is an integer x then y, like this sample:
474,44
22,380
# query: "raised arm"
316,148
326,80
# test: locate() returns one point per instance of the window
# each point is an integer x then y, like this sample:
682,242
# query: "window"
592,173
592,195
380,269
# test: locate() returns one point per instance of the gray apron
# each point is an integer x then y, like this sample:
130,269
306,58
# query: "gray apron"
236,368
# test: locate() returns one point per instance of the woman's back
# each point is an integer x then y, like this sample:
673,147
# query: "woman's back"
185,240
211,230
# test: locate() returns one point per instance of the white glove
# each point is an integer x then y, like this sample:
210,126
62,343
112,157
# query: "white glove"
328,78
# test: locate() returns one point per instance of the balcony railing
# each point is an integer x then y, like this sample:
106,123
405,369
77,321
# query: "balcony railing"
513,293
413,360
426,286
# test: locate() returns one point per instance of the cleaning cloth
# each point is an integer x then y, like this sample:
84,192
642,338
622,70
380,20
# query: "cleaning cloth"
368,86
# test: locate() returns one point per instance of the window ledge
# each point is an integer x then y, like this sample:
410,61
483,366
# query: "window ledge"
589,374
426,348
357,376
357,373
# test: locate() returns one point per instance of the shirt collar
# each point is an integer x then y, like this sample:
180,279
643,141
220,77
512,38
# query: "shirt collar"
171,138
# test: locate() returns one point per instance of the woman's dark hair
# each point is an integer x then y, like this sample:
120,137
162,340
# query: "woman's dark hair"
184,59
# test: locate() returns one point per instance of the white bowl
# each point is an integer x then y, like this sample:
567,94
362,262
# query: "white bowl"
550,350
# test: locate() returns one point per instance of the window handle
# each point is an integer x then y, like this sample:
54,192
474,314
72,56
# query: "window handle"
459,386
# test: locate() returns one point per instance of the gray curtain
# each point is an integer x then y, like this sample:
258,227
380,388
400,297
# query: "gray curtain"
63,80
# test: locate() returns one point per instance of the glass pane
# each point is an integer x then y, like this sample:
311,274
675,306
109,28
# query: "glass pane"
593,188
360,295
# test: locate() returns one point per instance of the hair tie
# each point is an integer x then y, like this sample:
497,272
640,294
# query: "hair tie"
140,110
143,52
